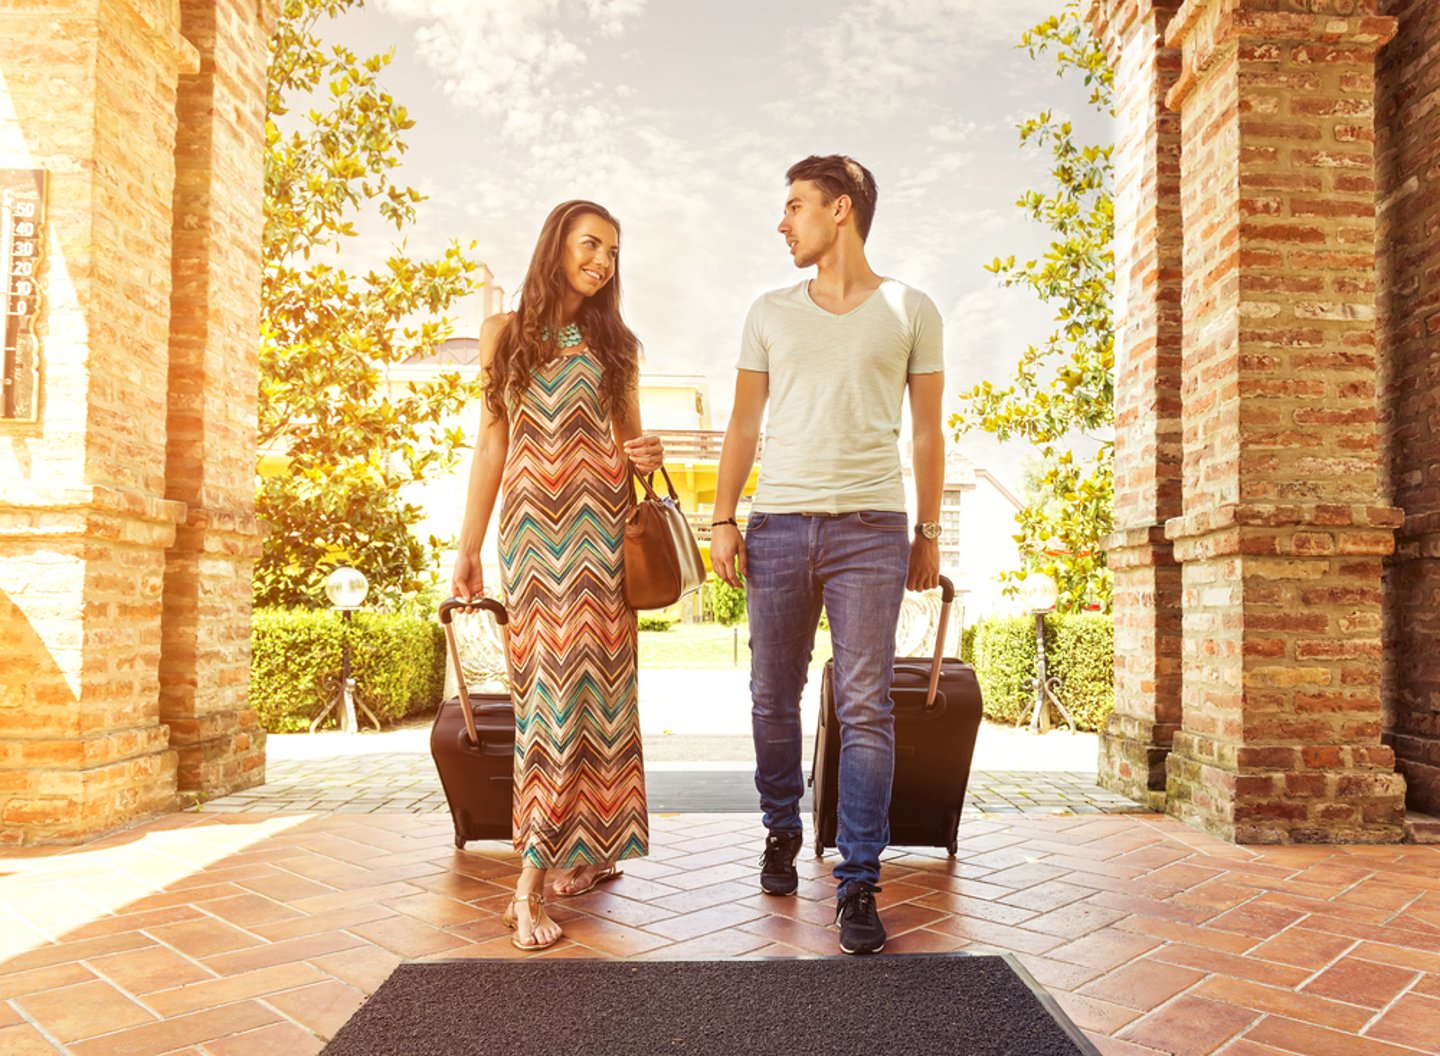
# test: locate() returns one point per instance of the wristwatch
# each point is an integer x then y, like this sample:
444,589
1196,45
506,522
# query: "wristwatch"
929,529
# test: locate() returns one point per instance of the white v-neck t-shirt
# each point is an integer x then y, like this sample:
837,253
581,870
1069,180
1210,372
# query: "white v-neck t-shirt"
837,385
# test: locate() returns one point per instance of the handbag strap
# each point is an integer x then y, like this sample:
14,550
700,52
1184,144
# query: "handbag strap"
447,609
647,482
947,596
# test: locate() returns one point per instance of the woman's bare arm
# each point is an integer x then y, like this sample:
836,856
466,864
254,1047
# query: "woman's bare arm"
487,467
645,451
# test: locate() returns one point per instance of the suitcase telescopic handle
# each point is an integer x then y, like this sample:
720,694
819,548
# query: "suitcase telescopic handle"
947,596
447,611
449,605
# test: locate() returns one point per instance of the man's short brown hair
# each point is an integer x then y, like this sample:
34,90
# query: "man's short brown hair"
836,174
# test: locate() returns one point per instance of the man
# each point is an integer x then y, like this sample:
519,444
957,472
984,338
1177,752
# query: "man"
833,357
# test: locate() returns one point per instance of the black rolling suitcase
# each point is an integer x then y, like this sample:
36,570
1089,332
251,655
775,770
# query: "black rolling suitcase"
474,746
937,718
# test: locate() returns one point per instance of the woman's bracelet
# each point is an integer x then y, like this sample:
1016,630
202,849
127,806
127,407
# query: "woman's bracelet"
727,520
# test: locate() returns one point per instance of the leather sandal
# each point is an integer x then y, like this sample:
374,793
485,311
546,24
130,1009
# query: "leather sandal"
509,920
603,876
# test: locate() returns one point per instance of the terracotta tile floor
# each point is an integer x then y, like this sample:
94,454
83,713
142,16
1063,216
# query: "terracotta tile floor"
249,933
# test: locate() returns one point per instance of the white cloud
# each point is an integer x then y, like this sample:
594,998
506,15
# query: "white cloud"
953,130
883,57
611,15
976,338
921,181
519,60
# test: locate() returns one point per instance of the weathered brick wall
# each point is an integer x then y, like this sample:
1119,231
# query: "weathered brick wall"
1211,650
1408,191
83,521
214,320
1147,398
1283,533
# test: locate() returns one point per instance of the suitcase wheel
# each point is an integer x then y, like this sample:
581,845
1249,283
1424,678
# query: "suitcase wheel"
460,843
953,846
819,849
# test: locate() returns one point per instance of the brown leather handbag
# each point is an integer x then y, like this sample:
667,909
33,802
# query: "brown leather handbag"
662,559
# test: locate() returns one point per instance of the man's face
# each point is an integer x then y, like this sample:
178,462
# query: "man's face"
809,224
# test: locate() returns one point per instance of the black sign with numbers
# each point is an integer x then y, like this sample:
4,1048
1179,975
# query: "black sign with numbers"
22,242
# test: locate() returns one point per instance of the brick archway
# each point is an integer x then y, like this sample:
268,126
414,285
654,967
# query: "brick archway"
127,526
1253,484
1253,514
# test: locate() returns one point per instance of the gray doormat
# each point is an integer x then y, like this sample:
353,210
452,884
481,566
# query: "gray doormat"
951,1003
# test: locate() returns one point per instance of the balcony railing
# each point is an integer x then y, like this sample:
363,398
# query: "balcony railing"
691,445
695,445
700,521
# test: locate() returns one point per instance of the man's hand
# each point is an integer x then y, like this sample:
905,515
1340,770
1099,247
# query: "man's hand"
467,582
924,564
727,554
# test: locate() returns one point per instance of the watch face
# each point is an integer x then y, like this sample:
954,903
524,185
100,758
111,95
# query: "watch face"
929,530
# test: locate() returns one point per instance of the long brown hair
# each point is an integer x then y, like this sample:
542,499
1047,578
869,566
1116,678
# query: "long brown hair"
528,341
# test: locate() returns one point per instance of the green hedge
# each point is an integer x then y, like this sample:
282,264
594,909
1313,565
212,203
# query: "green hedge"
725,604
397,661
967,643
1079,650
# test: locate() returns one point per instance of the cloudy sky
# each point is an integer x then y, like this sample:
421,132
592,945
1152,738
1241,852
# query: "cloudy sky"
682,117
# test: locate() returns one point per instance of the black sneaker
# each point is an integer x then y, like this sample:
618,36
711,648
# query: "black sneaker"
859,920
777,864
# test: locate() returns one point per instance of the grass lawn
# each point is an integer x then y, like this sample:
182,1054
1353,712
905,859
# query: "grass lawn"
708,645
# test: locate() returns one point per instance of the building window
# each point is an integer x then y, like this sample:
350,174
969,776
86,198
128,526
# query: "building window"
950,519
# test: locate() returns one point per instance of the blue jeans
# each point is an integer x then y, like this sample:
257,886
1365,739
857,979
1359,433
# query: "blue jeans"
854,565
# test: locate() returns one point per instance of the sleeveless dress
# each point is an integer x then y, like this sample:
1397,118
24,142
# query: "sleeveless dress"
579,771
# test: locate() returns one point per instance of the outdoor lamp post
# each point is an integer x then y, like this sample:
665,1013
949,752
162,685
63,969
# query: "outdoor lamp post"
1039,595
346,588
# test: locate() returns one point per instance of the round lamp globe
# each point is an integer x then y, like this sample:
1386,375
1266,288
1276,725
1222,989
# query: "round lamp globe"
346,588
1038,593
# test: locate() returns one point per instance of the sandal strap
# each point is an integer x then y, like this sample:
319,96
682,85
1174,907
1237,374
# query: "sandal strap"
538,900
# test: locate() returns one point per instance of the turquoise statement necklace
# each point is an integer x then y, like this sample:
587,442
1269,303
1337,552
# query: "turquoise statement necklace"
568,337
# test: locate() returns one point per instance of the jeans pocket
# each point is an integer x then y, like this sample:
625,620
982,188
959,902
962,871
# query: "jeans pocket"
882,520
756,522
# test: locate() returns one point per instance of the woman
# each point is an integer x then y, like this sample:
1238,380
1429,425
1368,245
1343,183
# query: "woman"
561,404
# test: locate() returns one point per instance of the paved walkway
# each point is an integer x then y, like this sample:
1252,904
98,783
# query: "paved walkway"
392,771
230,934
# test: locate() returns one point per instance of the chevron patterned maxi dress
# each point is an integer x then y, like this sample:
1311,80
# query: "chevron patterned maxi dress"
579,772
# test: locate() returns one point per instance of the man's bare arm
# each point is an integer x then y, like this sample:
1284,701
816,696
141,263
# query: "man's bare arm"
737,458
927,397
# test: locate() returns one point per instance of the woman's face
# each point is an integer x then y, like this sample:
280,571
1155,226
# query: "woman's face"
591,254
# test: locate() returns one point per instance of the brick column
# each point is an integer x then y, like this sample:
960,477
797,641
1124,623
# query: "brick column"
84,523
1138,734
1408,273
210,465
1283,533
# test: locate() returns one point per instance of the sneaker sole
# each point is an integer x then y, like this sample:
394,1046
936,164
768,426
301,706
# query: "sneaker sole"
861,951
